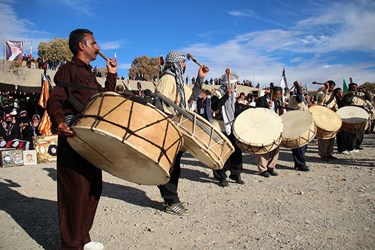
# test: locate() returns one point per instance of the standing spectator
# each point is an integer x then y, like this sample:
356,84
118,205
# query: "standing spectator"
204,105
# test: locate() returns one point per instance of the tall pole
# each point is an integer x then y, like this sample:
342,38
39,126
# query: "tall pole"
4,44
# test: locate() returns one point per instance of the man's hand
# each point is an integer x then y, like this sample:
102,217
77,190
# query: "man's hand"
229,90
64,130
202,71
112,66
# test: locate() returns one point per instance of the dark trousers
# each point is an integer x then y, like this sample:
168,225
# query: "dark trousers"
299,156
233,164
79,186
345,141
169,190
358,139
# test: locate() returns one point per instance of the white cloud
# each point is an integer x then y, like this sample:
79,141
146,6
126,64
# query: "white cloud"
124,66
243,13
110,45
83,6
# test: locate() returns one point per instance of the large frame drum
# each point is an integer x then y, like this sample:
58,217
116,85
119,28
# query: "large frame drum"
299,128
258,130
132,141
202,140
327,121
354,119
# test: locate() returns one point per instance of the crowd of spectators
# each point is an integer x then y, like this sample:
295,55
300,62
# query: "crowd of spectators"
20,116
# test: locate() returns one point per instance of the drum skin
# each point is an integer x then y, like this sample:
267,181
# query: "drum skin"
212,149
132,141
299,129
327,122
258,130
354,119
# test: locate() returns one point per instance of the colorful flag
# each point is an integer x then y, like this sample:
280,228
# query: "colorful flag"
345,87
31,51
45,123
14,50
283,82
284,86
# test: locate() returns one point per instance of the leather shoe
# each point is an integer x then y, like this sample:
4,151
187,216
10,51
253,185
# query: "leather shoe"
237,179
272,172
223,183
265,174
332,157
302,168
359,148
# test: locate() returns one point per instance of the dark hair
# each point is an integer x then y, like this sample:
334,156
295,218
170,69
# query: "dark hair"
75,37
336,91
331,83
147,92
277,88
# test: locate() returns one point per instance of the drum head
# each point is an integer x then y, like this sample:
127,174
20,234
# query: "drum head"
119,159
296,123
325,118
352,114
258,127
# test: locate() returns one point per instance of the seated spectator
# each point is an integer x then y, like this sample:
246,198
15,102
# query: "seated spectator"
9,129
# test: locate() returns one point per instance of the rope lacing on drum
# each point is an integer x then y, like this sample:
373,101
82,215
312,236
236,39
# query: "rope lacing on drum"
129,132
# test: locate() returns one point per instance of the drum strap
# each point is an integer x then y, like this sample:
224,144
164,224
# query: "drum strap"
74,102
330,99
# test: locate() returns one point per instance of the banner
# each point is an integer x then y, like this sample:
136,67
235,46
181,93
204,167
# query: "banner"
14,50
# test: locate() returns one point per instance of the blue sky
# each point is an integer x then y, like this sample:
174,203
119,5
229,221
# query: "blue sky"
314,40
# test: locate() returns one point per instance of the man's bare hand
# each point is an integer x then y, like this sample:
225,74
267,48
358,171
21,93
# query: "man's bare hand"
64,130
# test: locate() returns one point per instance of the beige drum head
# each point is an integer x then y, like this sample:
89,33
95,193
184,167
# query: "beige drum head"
325,118
299,128
352,114
354,119
258,127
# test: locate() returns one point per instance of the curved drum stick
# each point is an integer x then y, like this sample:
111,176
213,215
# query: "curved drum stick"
106,58
191,57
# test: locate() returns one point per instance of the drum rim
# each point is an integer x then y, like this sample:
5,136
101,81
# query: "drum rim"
200,118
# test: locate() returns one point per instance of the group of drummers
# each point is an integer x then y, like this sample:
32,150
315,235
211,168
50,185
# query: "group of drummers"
92,122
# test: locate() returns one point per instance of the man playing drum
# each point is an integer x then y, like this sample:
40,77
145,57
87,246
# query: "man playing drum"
171,85
79,183
226,108
327,98
299,103
357,98
345,140
267,162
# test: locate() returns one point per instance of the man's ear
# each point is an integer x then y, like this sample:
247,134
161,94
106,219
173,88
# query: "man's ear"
81,46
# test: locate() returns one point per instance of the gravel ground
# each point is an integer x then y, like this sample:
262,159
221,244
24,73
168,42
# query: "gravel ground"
330,207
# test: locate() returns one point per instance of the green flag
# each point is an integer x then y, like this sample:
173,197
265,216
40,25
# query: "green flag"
345,87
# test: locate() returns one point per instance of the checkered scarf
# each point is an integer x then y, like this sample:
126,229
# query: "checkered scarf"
173,67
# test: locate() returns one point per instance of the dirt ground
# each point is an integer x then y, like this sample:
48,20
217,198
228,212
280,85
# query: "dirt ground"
330,207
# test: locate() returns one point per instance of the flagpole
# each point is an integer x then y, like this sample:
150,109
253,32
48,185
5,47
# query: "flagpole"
4,44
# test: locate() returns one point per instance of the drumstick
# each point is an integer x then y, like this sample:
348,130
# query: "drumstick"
190,57
126,87
113,64
228,72
318,83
